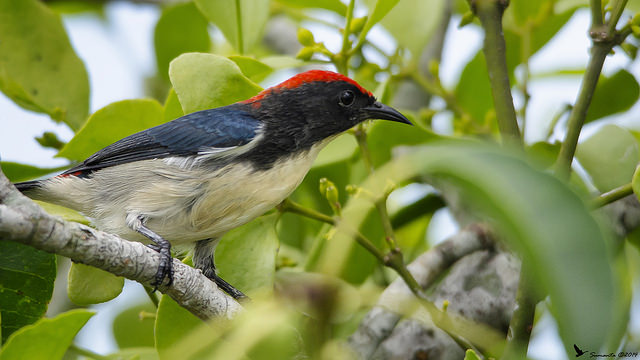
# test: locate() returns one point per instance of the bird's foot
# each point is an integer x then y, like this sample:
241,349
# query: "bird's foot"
229,289
165,269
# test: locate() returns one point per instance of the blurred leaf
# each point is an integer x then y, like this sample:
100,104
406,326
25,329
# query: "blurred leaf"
135,353
543,154
380,10
473,91
563,243
332,5
241,21
180,29
172,107
89,285
38,68
63,212
303,291
47,338
50,140
342,148
421,16
282,62
21,172
131,330
383,136
173,325
110,124
264,331
252,68
26,285
609,156
524,11
613,95
246,256
206,81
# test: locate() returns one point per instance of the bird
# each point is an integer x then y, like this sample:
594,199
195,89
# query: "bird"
579,352
192,179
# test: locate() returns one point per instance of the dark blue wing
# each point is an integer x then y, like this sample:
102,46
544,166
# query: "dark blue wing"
224,127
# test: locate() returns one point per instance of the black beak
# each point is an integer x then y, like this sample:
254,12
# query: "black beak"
377,110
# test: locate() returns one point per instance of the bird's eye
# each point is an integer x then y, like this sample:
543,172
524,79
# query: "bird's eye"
346,98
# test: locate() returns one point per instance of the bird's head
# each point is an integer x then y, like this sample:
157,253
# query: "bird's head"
315,105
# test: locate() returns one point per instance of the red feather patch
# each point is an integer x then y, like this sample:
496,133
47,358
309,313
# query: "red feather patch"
304,78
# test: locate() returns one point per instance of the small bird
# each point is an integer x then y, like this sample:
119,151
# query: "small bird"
579,352
192,179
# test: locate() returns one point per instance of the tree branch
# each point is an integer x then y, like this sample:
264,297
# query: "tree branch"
21,220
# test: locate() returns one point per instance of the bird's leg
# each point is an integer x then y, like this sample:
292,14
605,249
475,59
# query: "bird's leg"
203,259
165,269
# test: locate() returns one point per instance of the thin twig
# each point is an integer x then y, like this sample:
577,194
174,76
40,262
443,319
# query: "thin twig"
611,196
604,38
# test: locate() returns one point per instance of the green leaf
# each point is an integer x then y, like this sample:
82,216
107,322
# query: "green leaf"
50,140
609,156
241,21
63,212
613,95
47,338
21,172
206,81
471,355
26,285
423,17
380,10
132,330
252,68
246,256
343,148
112,123
38,68
385,135
524,11
89,285
173,324
172,107
536,214
180,29
332,5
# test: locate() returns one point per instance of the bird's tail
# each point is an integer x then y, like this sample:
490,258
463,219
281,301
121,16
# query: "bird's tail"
26,186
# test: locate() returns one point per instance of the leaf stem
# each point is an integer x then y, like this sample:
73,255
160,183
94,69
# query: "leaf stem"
596,13
618,8
393,260
239,27
490,14
611,196
341,59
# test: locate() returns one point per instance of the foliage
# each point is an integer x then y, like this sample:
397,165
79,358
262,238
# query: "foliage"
311,281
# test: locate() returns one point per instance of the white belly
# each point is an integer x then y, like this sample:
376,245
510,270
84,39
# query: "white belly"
182,204
197,204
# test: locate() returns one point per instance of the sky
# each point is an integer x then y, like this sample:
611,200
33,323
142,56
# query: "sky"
118,54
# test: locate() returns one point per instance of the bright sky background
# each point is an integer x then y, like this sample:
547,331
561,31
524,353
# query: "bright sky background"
118,54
